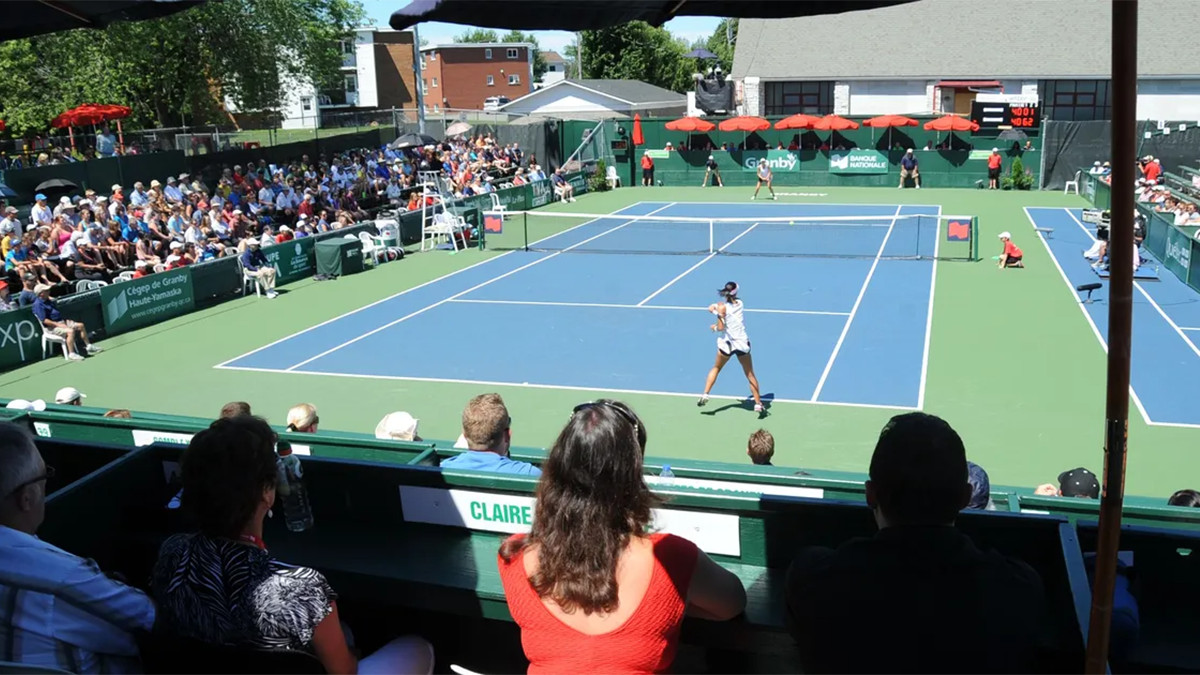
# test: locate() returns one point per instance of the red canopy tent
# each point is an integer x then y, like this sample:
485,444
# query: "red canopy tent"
690,125
888,122
798,121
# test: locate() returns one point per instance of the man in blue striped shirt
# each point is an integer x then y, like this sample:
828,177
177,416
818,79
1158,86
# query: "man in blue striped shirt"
56,609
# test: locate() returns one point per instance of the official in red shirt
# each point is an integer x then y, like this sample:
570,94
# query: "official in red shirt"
1151,169
994,164
647,169
1011,257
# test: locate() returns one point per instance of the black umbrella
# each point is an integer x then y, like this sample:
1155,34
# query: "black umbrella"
700,53
549,14
23,18
1012,135
56,185
405,141
7,192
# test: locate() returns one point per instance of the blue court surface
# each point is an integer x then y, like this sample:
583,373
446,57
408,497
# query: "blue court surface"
1165,360
834,330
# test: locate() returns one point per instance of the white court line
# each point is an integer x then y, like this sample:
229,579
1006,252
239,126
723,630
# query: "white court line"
688,271
608,305
854,310
1170,322
792,204
562,387
1188,328
476,287
937,242
409,290
1075,296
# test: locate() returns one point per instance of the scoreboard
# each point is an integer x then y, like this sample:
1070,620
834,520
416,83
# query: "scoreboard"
997,115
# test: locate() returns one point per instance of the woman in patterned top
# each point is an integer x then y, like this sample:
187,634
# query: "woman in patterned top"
221,586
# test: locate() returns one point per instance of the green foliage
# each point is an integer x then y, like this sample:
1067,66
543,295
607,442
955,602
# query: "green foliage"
477,35
179,69
1018,177
597,181
637,51
722,43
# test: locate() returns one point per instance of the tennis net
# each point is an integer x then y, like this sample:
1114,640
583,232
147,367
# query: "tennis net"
905,236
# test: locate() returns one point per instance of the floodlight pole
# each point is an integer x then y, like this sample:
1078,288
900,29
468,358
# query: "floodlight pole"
1120,320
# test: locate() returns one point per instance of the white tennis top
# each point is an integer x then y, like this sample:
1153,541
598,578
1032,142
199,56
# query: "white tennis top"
735,327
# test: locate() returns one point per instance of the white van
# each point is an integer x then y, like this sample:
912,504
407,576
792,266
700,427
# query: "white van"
494,102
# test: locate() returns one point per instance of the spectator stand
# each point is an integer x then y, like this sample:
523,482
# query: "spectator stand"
412,553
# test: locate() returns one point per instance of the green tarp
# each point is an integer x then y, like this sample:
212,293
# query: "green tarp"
339,257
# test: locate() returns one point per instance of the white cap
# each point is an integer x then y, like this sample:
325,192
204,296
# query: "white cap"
284,228
175,245
995,149
21,404
237,212
116,186
140,263
68,395
397,426
65,200
172,258
1005,235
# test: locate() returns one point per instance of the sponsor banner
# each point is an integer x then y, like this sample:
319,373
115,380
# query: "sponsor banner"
717,533
543,194
858,161
20,338
979,154
144,437
1089,187
787,161
577,181
658,154
293,260
1179,252
141,302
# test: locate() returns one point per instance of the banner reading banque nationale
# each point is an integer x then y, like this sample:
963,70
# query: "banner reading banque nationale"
857,161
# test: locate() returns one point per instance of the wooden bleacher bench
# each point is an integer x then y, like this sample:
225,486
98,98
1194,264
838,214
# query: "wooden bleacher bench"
375,549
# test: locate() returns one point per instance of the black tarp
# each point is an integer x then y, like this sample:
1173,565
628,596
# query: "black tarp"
714,96
1073,146
594,14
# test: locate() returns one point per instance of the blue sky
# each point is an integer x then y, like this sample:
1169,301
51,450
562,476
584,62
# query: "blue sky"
379,11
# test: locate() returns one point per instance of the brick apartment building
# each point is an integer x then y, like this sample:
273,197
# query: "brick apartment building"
462,76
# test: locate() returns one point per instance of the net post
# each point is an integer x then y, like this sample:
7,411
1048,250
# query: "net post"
711,227
525,228
974,238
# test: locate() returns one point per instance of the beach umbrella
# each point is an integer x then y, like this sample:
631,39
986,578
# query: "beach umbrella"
405,141
700,53
690,125
889,122
457,128
797,121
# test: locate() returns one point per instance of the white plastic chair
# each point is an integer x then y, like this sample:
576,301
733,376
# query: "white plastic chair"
48,339
448,225
372,247
611,176
248,278
124,276
1073,184
496,205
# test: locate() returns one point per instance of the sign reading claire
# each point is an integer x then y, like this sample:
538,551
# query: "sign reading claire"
778,160
858,161
141,302
717,533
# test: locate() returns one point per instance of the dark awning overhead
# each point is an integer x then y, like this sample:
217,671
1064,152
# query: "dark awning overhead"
591,14
963,84
25,18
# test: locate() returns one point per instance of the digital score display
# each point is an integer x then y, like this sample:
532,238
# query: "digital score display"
619,144
1000,115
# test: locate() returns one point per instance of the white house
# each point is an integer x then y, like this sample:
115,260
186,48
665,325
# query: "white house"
934,56
556,69
599,99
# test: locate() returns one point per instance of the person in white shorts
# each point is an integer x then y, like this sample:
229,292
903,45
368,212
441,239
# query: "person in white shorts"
764,178
733,342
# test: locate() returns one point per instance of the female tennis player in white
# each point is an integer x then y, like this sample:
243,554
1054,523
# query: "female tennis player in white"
764,176
732,342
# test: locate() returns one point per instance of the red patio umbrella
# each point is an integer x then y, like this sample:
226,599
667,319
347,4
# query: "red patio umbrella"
835,123
798,121
888,122
91,114
951,123
1,125
638,139
690,125
744,124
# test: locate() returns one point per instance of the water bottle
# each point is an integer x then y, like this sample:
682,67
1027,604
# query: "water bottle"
296,511
666,476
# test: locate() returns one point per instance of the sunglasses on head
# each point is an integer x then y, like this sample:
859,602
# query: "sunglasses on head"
629,416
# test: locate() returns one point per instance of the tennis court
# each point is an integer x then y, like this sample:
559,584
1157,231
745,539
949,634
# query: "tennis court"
839,304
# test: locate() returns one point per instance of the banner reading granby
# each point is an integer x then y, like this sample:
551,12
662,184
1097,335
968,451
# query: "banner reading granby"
778,160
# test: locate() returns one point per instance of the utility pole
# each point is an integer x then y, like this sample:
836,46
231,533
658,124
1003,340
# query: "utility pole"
420,81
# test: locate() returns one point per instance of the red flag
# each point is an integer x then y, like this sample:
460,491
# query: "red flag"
637,130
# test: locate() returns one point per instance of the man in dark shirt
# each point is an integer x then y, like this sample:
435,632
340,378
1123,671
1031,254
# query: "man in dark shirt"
908,167
46,311
918,596
710,169
255,264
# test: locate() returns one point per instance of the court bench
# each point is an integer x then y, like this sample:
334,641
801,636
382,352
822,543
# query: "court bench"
418,541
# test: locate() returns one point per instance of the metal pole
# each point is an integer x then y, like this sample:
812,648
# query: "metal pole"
420,84
1120,319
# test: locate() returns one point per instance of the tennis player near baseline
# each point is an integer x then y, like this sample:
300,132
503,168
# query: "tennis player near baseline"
733,342
764,176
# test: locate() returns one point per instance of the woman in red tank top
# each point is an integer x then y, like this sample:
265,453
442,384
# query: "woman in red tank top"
591,587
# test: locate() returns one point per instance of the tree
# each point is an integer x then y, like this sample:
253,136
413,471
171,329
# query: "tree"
637,51
179,69
722,43
477,35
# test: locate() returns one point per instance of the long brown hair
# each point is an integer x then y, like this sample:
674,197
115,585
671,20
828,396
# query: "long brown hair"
591,500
